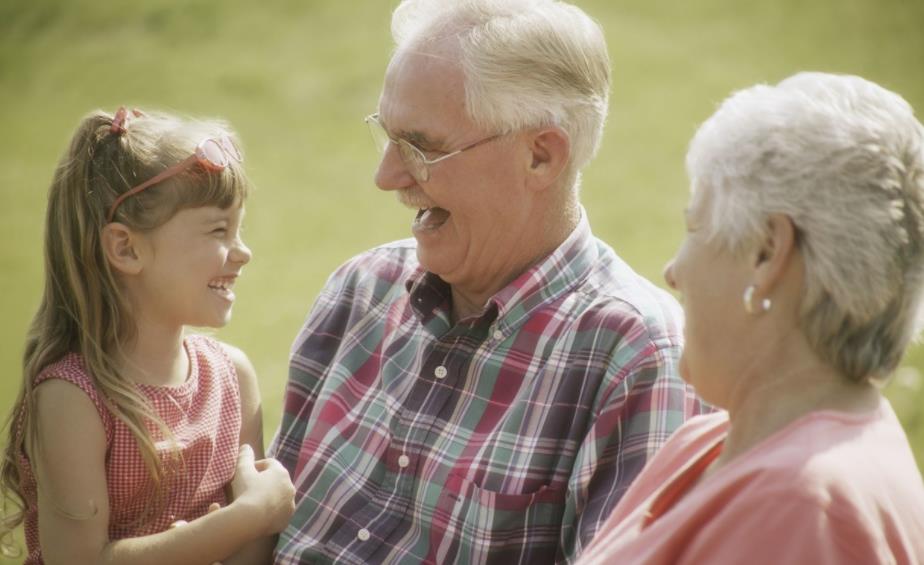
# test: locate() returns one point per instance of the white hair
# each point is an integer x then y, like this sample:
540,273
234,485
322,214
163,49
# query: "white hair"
526,63
844,159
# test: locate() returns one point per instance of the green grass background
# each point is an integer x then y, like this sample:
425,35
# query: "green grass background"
296,77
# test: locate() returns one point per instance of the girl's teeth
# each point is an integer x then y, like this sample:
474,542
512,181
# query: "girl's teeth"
224,285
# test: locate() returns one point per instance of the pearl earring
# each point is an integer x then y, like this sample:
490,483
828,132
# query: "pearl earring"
765,304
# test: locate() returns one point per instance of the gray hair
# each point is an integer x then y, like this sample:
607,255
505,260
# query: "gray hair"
527,63
844,159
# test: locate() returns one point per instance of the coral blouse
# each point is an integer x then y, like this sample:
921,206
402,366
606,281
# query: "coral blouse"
829,488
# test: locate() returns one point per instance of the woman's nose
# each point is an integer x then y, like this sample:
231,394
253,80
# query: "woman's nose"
669,275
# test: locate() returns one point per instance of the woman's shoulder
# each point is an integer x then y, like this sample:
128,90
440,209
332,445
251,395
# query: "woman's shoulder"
698,432
838,462
829,444
688,443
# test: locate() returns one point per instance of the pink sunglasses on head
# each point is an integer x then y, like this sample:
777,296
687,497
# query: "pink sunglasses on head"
213,154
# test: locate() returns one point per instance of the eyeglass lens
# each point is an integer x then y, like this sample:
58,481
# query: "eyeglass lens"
214,153
410,156
412,159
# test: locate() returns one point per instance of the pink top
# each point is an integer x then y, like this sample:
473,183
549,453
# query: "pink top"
829,488
204,413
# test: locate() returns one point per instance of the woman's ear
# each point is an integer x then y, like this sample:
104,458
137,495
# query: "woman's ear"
549,153
120,245
774,256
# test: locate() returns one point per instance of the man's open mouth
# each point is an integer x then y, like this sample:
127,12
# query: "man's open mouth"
430,218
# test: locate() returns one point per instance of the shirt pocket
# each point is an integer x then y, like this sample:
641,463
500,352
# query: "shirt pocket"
490,520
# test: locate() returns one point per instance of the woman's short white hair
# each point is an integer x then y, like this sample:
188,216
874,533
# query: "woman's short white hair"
526,63
844,159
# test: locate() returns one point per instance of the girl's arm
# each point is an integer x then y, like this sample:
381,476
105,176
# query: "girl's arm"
259,550
73,504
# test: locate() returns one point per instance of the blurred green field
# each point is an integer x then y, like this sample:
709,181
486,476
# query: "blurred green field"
296,77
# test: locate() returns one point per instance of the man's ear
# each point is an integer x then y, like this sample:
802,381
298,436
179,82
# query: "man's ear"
549,153
774,256
120,245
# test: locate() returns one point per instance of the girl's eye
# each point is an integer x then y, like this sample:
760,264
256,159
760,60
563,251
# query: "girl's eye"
220,231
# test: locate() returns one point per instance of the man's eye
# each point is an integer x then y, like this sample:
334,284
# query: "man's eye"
431,153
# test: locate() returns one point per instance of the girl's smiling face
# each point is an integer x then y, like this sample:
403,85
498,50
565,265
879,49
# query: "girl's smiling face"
190,265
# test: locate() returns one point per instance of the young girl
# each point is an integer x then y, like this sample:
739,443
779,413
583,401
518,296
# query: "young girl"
125,427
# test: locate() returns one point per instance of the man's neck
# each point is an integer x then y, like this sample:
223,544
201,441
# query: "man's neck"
469,299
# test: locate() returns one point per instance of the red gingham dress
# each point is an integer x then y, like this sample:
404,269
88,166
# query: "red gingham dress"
204,414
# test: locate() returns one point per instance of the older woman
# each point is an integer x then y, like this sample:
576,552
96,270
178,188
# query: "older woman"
801,277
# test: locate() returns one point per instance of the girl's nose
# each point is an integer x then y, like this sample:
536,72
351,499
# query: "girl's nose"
240,253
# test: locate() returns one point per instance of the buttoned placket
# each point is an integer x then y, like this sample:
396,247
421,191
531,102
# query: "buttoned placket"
437,383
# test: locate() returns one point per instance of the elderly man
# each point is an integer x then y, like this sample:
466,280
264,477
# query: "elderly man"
486,391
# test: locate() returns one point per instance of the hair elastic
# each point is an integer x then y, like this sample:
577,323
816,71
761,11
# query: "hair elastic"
120,119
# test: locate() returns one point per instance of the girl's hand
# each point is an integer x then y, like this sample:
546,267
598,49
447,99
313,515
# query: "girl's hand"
265,487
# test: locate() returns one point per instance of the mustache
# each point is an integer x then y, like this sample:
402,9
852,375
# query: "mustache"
413,198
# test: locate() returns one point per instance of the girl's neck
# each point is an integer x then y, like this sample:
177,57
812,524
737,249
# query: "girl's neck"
156,356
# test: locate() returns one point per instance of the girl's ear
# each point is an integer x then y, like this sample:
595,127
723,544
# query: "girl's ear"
549,151
120,245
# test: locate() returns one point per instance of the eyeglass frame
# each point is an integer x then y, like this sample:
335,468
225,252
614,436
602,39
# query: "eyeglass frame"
226,147
408,150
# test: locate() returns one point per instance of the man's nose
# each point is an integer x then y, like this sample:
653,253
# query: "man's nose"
393,173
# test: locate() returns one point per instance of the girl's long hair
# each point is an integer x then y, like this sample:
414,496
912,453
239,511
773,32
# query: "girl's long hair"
83,309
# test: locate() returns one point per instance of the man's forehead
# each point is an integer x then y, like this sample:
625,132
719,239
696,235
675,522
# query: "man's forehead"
423,68
420,90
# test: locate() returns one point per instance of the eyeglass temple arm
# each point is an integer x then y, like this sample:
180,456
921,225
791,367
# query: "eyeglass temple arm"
163,175
457,151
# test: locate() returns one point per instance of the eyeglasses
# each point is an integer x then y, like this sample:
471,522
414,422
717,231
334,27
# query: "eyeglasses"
415,160
213,154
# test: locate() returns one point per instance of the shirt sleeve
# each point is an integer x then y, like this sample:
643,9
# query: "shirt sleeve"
645,403
313,350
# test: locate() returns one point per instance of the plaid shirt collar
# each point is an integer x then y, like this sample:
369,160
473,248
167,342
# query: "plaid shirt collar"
430,296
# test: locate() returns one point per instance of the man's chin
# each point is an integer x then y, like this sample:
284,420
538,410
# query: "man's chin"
434,259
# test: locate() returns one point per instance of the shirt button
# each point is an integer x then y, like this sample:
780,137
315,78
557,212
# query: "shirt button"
404,461
440,372
498,335
362,534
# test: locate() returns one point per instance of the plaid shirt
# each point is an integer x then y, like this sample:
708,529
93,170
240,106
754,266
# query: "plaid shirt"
506,438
